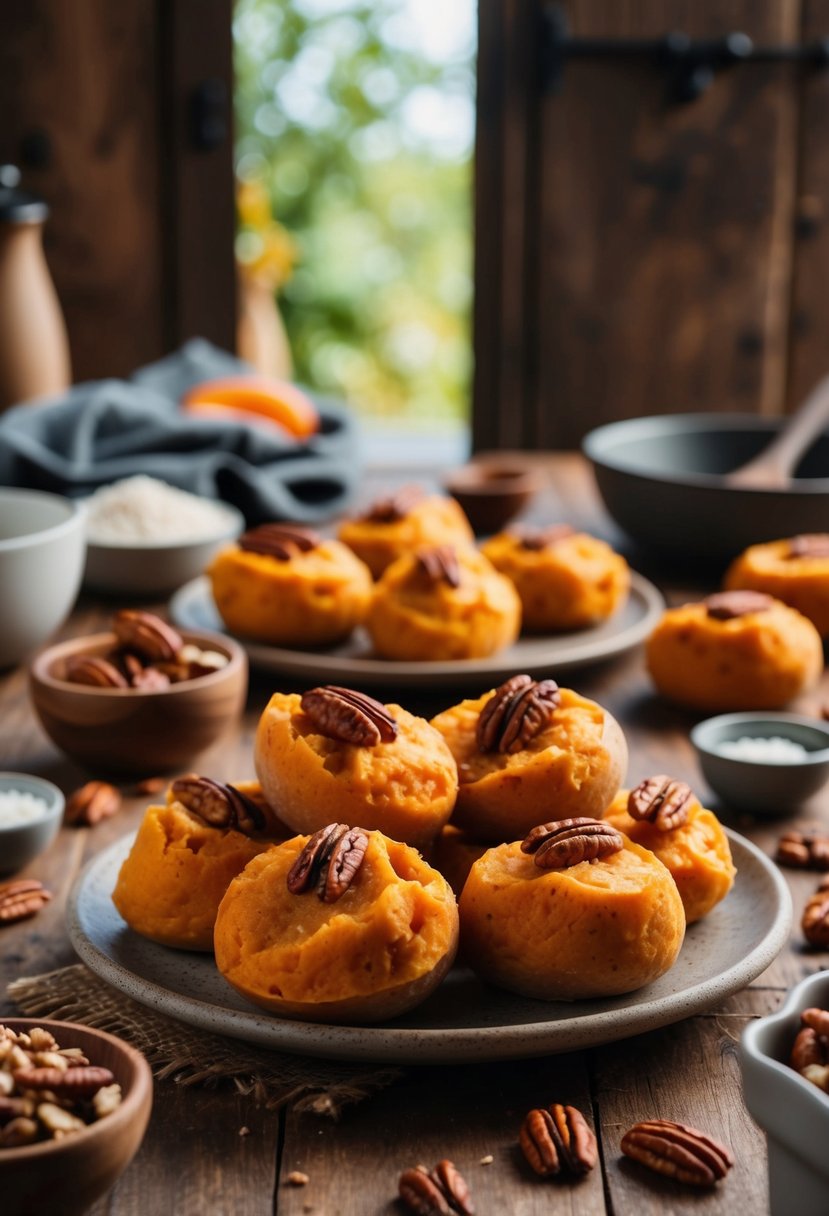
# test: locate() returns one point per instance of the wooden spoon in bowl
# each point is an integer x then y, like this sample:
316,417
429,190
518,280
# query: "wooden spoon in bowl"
773,468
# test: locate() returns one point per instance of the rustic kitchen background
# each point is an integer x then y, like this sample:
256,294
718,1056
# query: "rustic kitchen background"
650,220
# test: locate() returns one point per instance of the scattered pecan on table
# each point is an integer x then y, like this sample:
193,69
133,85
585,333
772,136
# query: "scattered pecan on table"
348,716
567,842
329,862
662,800
282,541
517,711
21,898
441,1191
557,1139
804,850
91,804
218,805
677,1151
815,919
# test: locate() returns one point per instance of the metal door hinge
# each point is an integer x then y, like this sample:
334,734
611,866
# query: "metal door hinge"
690,65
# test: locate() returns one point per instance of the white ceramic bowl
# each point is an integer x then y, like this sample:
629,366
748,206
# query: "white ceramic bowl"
155,568
793,1113
42,545
22,842
756,785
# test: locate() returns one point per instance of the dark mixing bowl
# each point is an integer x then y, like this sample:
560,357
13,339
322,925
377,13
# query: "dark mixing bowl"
662,480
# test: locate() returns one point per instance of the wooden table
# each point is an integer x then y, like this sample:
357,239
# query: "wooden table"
193,1160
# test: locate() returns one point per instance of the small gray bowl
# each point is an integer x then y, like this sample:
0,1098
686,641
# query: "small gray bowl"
792,1111
21,843
756,785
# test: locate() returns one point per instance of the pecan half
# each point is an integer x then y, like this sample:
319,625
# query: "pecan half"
516,712
558,1139
440,564
393,507
150,679
146,634
441,1191
812,544
217,805
329,862
282,541
807,1049
536,539
350,717
678,1151
815,919
92,803
92,671
818,1019
81,1083
567,842
728,605
22,898
803,850
661,800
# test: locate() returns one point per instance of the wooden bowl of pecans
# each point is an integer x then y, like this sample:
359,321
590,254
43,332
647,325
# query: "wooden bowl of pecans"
142,699
80,1101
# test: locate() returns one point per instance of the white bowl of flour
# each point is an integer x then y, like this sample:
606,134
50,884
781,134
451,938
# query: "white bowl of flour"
147,538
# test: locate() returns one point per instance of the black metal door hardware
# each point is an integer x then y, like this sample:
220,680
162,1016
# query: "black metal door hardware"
690,65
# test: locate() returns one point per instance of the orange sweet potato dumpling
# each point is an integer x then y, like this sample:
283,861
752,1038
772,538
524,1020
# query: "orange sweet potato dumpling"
380,949
405,788
697,853
591,930
379,537
171,883
574,766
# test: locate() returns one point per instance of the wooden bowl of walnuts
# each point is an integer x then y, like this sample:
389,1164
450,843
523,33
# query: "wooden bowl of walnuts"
84,1099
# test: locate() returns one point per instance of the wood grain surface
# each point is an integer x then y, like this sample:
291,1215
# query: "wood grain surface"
197,1158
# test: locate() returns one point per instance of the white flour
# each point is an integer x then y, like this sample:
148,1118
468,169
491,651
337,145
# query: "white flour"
142,508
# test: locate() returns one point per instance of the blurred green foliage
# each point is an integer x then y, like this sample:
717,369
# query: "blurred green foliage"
364,144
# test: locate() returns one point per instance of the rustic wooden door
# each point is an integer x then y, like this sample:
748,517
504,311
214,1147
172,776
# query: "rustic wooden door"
119,114
636,255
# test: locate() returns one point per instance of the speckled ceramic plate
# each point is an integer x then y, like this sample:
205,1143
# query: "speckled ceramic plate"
464,1019
192,607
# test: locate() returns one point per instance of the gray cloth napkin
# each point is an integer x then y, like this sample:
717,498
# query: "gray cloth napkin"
104,430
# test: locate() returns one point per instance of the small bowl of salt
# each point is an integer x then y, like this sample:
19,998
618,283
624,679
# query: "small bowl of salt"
148,538
769,763
31,811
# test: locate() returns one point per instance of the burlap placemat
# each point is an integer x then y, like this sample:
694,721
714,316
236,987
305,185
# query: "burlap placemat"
179,1053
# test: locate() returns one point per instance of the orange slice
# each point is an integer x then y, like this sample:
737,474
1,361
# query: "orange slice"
276,400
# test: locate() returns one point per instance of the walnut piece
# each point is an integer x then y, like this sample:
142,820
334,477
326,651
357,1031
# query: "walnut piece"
567,842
